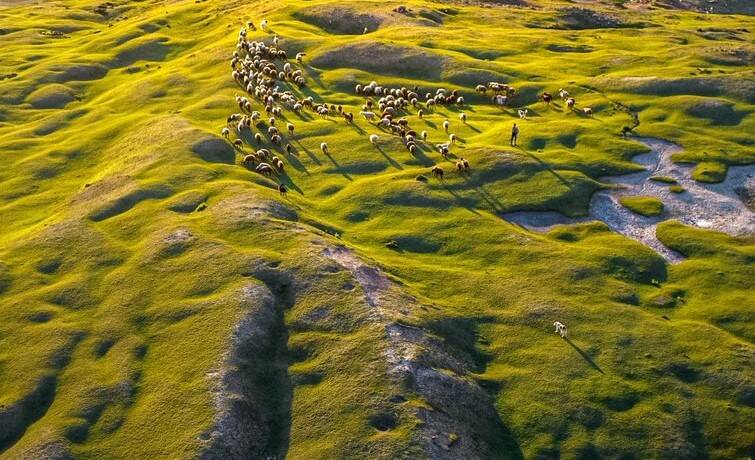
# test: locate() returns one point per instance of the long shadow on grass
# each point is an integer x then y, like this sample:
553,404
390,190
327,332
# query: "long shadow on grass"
547,166
294,161
338,167
393,162
584,355
309,153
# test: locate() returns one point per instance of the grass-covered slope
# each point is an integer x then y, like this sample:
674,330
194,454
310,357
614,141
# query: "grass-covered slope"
159,300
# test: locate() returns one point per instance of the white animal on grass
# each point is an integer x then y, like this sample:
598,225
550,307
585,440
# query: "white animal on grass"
561,329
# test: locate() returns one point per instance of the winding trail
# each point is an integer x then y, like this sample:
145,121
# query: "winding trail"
712,206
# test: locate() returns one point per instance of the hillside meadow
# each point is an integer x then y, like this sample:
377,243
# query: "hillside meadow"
158,299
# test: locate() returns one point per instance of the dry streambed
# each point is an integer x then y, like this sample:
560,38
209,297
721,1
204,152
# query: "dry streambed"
713,206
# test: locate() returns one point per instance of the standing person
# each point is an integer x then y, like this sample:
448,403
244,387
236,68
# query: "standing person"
514,135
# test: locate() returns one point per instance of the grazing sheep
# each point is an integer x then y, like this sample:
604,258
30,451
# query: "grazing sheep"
420,113
282,189
523,113
264,169
424,136
465,162
463,117
369,116
482,89
446,124
258,138
349,117
275,40
374,139
563,94
452,139
570,102
561,329
278,163
238,143
501,100
276,139
547,97
290,127
437,172
300,57
263,24
324,148
289,149
250,159
225,132
587,111
460,100
271,121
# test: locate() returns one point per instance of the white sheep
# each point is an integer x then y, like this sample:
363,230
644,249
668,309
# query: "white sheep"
263,24
225,132
563,93
324,148
452,138
463,117
446,124
523,113
424,136
570,102
300,57
587,111
369,116
374,139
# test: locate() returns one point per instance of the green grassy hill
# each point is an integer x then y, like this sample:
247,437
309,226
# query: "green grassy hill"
160,300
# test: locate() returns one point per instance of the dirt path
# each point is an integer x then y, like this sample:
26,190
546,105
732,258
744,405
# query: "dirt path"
713,206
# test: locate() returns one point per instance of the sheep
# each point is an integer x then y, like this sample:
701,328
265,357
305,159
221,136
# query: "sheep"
300,57
251,158
547,97
412,148
278,163
263,24
258,138
437,172
587,111
446,124
424,136
324,148
225,132
563,94
463,117
374,139
459,166
420,113
570,102
465,162
349,117
275,40
265,169
289,149
276,139
460,100
238,143
523,113
481,89
272,130
282,189
452,139
290,128
271,121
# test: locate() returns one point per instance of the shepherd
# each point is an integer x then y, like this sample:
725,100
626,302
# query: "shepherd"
514,135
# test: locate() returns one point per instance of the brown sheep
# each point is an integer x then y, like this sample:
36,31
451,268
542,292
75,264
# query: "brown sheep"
437,172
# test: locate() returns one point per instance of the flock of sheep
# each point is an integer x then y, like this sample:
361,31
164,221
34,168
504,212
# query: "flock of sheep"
254,68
